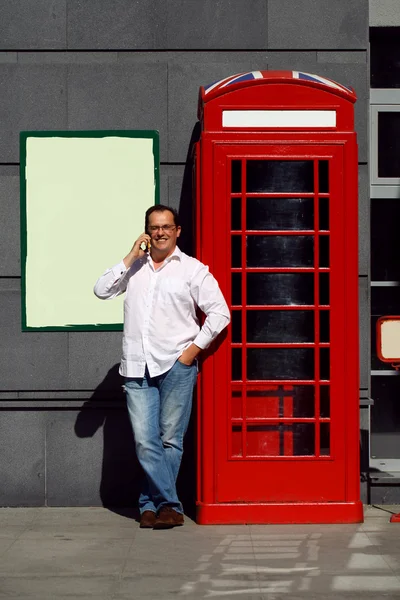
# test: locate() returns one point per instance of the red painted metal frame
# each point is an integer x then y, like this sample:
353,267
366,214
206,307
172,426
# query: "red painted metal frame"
280,489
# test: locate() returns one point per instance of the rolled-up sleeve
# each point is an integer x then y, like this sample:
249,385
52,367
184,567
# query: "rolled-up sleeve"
112,283
209,298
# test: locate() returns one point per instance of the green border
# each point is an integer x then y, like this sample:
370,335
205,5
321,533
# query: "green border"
23,136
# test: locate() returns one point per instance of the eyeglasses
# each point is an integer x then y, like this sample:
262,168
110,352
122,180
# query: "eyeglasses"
164,228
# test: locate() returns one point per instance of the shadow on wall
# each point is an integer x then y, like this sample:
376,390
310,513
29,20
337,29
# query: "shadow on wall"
186,203
120,471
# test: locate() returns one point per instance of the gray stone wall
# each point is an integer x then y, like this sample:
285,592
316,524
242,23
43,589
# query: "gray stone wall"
79,64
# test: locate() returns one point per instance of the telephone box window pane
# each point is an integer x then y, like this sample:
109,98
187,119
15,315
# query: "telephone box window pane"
325,439
236,364
280,251
388,144
264,440
303,398
303,439
280,363
236,251
323,175
281,401
324,251
324,364
237,441
324,214
236,289
236,214
279,214
280,288
324,326
236,182
236,326
266,403
236,411
280,176
324,288
280,326
324,401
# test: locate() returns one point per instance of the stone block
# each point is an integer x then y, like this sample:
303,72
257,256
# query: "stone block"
29,360
122,25
93,359
33,24
364,330
217,24
113,97
317,24
33,98
91,459
22,465
10,264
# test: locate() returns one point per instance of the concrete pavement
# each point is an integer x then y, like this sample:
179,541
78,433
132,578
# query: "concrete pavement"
82,553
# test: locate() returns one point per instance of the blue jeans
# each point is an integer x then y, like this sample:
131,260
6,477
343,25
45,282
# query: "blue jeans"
159,410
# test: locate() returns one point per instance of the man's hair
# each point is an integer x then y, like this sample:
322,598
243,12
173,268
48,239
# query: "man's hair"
160,208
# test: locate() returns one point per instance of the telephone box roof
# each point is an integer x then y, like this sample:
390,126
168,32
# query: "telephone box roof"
240,80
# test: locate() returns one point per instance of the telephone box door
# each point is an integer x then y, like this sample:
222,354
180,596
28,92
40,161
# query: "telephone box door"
280,257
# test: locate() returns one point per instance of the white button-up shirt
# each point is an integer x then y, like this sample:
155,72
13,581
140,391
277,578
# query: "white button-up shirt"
160,319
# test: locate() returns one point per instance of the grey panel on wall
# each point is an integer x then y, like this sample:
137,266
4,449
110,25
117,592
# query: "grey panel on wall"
384,13
217,24
9,226
91,459
318,24
185,76
29,361
364,239
32,98
364,329
22,465
131,96
117,25
93,358
33,24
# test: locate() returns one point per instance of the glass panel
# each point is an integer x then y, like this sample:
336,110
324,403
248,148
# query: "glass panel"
280,251
237,441
324,288
324,326
385,219
385,57
385,417
324,401
376,363
236,183
324,214
323,175
236,251
264,440
236,214
388,144
279,213
303,439
236,289
236,326
264,326
324,364
236,405
385,300
280,288
280,363
324,251
280,176
280,401
325,439
236,364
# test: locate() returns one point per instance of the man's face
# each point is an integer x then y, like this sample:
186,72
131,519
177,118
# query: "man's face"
163,240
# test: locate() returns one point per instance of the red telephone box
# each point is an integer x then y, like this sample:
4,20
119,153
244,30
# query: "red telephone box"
278,417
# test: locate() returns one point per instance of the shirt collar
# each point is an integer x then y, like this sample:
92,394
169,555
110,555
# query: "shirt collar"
177,255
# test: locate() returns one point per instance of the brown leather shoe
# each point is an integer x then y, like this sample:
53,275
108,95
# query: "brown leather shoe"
147,519
167,518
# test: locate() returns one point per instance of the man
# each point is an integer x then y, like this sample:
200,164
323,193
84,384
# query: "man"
162,339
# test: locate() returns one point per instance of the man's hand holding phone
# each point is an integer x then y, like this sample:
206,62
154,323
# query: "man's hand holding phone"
139,249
